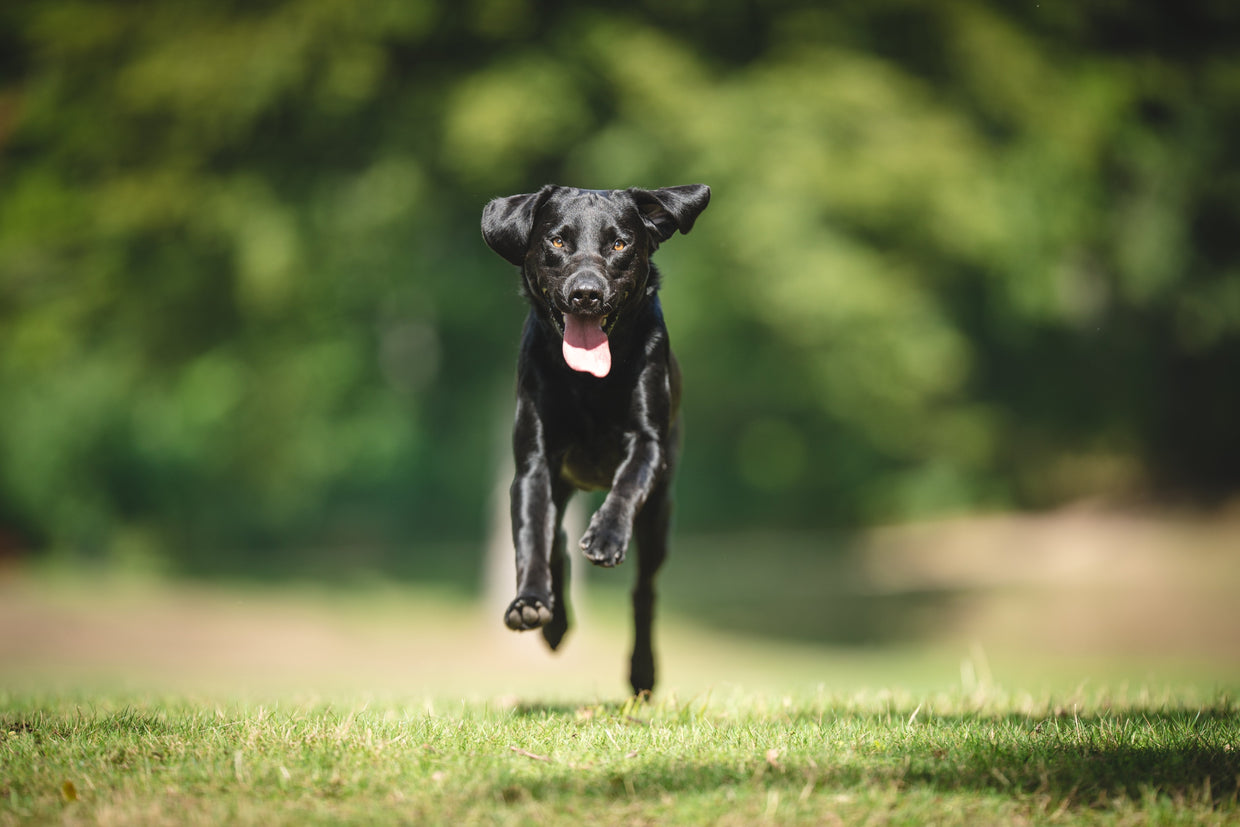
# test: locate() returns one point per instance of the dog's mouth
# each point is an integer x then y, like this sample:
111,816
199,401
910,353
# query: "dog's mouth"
586,346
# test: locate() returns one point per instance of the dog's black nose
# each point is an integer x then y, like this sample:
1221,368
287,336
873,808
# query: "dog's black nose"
586,298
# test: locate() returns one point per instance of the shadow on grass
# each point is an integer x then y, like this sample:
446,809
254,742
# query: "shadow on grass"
1185,756
1087,762
85,722
548,709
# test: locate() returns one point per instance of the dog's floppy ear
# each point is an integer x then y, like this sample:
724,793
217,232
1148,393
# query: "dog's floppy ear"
506,223
670,209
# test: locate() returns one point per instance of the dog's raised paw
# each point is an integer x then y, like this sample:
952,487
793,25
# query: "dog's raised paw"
527,613
604,546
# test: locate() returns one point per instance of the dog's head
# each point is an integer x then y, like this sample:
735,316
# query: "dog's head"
585,255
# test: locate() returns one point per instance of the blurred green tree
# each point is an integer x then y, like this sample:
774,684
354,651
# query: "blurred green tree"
958,257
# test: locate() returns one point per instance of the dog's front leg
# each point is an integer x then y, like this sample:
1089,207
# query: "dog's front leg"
534,523
644,464
607,537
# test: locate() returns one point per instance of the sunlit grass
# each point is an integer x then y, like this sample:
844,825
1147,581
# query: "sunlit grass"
951,757
140,700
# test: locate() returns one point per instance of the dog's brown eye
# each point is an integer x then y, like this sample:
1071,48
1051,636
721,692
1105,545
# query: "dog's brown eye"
557,242
619,245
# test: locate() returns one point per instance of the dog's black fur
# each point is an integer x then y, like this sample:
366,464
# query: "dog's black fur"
608,422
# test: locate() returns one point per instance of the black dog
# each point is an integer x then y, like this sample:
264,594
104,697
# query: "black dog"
597,390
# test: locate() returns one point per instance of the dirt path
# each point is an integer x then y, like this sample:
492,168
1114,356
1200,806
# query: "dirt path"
1096,595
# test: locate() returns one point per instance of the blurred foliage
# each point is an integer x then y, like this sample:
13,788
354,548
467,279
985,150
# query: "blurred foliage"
957,257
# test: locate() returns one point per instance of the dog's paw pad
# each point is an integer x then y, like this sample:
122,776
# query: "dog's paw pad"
604,548
605,559
527,613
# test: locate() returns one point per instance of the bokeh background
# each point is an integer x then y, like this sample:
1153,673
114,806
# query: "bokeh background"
962,258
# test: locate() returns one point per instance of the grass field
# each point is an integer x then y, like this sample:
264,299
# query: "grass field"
1089,677
950,758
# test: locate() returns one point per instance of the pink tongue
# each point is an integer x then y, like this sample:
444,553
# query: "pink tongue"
585,345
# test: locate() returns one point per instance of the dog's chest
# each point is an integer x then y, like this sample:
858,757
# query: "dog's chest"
591,467
591,441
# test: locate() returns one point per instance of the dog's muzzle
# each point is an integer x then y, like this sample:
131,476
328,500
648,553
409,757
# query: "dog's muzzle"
585,294
586,347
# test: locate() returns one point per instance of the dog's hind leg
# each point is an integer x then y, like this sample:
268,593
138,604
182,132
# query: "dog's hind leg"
554,631
651,527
